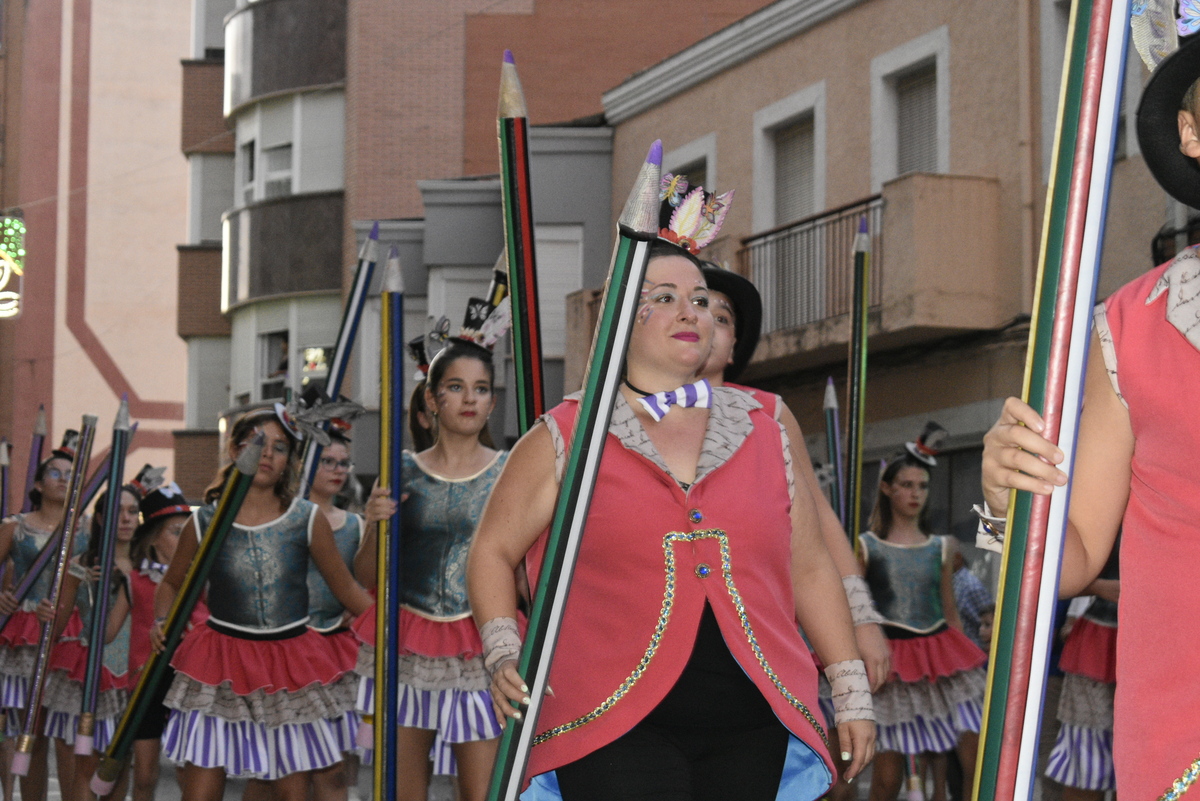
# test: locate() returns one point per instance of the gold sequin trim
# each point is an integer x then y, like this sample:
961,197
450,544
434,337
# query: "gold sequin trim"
1181,785
661,627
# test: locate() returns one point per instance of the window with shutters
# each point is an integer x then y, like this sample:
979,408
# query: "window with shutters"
917,120
795,195
277,171
910,108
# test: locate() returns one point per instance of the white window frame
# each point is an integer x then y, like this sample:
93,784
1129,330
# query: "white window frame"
931,47
767,120
704,148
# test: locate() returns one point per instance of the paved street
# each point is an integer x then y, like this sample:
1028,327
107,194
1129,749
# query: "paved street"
168,786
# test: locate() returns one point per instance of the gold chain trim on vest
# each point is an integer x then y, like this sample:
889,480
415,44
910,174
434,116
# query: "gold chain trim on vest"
1181,785
661,627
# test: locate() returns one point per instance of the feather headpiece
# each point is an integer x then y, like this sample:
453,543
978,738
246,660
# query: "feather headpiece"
1156,30
696,220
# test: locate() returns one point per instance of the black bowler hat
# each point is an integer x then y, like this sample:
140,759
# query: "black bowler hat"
1158,127
747,313
165,501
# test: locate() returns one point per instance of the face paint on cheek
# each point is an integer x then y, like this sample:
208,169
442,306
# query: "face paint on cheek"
643,315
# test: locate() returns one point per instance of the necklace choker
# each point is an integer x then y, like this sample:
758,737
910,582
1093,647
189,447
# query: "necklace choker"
641,392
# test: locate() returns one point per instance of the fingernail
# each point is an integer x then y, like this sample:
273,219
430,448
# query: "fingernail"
850,780
526,700
516,715
846,756
524,689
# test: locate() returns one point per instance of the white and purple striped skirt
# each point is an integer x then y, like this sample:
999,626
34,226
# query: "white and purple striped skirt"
459,716
920,716
1082,758
247,748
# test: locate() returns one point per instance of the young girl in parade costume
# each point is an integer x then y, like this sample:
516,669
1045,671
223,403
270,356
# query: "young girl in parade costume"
444,686
164,512
932,703
255,687
21,539
1135,460
68,667
679,672
1082,759
327,614
737,317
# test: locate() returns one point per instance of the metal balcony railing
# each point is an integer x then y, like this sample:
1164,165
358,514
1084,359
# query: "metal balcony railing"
805,269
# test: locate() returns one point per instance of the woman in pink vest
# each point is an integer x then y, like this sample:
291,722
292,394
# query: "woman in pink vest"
1135,463
679,672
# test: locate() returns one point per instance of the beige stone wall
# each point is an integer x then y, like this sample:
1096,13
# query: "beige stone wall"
983,104
126,208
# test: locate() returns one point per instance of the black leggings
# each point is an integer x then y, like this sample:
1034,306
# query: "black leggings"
713,738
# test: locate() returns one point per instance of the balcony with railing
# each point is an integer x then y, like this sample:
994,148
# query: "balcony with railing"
937,269
809,267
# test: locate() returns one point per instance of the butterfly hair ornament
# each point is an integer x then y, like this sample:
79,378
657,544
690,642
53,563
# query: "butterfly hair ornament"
695,218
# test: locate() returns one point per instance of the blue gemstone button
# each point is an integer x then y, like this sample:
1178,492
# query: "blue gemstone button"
695,516
703,570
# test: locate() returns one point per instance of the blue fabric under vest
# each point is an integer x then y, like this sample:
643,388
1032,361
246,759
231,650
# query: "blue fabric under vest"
437,523
906,582
27,544
259,578
324,609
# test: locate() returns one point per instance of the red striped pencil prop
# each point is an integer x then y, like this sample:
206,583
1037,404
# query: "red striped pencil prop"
387,565
35,457
108,547
37,683
1054,375
156,670
637,228
368,255
513,130
857,383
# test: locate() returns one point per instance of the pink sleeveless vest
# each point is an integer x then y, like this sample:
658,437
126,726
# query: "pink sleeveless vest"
651,557
1157,711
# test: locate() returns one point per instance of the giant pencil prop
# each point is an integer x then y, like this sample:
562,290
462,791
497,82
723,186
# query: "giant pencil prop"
833,452
3,483
387,565
513,130
637,227
108,545
857,382
157,667
37,683
347,333
1054,373
46,554
35,457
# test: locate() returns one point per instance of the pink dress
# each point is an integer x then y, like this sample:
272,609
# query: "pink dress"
1157,373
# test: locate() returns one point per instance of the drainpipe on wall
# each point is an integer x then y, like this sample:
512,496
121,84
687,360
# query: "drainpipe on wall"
1029,228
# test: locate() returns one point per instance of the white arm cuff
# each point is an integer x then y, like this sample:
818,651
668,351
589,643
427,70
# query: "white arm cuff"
851,692
862,605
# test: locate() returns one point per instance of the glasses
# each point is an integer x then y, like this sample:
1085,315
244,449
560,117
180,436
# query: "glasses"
329,463
58,475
